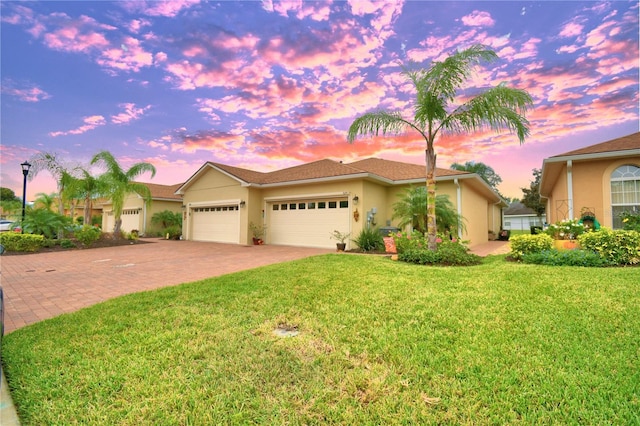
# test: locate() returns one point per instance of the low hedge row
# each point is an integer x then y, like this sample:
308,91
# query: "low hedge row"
605,247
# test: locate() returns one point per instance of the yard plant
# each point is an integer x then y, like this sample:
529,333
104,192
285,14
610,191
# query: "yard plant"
384,343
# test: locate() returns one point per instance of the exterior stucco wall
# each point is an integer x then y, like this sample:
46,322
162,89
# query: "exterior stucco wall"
591,181
474,211
156,207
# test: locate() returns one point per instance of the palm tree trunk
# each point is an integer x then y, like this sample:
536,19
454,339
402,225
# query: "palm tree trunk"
87,210
116,228
432,229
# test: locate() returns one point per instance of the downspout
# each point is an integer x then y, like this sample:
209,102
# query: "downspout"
459,203
144,218
570,187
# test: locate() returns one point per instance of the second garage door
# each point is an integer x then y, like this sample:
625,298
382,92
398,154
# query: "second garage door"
216,223
307,223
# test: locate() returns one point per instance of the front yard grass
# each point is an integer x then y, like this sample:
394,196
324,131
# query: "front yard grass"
380,342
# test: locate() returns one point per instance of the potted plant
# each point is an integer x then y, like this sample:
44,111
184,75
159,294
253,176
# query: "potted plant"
341,237
565,233
258,232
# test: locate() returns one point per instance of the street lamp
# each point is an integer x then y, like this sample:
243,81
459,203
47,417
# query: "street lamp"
25,171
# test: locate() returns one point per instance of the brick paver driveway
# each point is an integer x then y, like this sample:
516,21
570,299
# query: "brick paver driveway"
44,285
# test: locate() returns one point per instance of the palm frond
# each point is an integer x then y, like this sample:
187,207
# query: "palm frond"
376,123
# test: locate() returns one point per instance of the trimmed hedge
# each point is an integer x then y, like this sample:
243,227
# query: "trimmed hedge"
13,241
617,247
522,245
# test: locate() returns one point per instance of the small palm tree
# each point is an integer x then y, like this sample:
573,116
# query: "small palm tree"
411,210
496,108
121,182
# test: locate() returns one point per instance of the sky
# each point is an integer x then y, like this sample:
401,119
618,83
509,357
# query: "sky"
268,85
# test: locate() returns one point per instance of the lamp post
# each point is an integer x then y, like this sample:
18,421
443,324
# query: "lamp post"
25,171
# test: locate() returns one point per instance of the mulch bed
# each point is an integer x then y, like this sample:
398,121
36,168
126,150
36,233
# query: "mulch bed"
101,243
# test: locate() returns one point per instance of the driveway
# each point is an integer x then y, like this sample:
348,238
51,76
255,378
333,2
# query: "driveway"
45,285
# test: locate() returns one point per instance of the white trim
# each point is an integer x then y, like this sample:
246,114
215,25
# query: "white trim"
214,203
308,196
595,156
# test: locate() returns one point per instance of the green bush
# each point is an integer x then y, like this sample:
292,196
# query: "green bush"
13,241
449,253
565,258
405,241
630,221
88,235
369,240
526,244
174,232
618,247
67,243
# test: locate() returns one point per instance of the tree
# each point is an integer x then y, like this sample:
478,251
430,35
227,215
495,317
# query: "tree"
411,210
485,172
7,194
167,218
58,169
45,201
497,108
532,197
121,182
86,187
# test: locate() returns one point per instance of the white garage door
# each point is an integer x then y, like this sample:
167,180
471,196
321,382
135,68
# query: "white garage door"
130,220
307,223
216,223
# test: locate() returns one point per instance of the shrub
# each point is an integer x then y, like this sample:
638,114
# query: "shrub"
450,253
617,247
369,240
565,258
13,241
405,241
45,222
67,243
630,221
174,232
88,235
525,244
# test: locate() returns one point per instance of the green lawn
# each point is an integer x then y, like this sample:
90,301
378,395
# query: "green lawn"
380,342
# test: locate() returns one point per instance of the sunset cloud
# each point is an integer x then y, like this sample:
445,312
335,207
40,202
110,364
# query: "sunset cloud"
91,123
26,93
478,19
130,113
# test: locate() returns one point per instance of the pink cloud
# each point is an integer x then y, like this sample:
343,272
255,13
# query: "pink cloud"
31,93
83,34
300,9
129,56
478,19
571,29
136,25
131,113
91,123
169,9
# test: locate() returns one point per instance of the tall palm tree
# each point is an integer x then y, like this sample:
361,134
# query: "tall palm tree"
497,108
45,201
58,169
121,182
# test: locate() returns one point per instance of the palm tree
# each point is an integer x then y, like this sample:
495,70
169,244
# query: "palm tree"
45,201
497,108
58,169
121,182
86,187
411,210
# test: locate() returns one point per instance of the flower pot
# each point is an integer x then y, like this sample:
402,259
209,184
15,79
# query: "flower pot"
257,241
341,246
562,245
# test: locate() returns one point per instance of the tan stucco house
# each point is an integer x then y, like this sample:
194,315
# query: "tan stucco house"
603,179
136,214
303,205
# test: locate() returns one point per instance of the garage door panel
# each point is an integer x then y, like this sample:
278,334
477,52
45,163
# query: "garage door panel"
307,224
216,224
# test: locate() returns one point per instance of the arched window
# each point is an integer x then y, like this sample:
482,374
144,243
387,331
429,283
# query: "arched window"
625,192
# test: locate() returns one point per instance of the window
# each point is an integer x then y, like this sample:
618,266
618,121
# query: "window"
311,206
322,205
344,204
276,207
292,206
333,204
625,192
302,206
283,206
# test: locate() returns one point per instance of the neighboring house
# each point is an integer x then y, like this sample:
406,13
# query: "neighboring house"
303,205
137,215
518,217
603,179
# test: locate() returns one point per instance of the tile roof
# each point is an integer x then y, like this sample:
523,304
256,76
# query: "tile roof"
624,143
163,191
322,169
